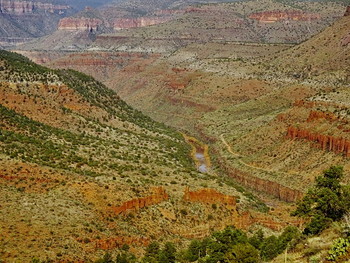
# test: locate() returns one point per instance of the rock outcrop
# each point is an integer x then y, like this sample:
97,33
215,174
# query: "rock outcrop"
278,15
209,196
283,193
242,220
319,115
124,23
337,145
29,7
266,186
158,195
70,23
347,12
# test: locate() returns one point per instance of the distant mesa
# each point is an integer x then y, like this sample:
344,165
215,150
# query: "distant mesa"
278,15
27,7
70,23
82,23
124,23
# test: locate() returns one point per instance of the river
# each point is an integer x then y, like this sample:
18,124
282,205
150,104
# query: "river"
201,162
199,153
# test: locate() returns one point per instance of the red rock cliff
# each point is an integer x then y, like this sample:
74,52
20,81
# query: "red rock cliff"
159,195
70,23
28,7
319,115
277,190
326,142
266,186
209,196
275,16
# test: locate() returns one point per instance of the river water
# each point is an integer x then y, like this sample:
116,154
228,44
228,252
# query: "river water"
202,167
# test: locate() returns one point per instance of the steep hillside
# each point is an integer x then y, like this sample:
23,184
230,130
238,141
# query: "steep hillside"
82,173
325,54
229,94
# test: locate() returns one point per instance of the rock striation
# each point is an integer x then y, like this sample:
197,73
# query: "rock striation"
275,189
124,23
278,15
29,7
283,193
246,219
330,143
158,195
70,23
209,196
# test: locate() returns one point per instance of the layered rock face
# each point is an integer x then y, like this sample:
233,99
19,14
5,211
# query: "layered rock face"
275,189
246,219
70,23
124,23
209,196
266,186
275,16
28,7
337,145
158,195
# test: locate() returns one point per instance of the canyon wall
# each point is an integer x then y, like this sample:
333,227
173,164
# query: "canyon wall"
158,195
337,145
209,196
124,23
70,23
283,193
275,16
277,190
28,7
82,23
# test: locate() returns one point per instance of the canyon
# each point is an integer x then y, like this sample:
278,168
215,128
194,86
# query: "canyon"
118,178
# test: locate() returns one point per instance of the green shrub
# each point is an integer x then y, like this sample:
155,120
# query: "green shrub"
340,248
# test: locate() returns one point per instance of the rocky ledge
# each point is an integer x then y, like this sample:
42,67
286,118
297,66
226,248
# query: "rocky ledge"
29,7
